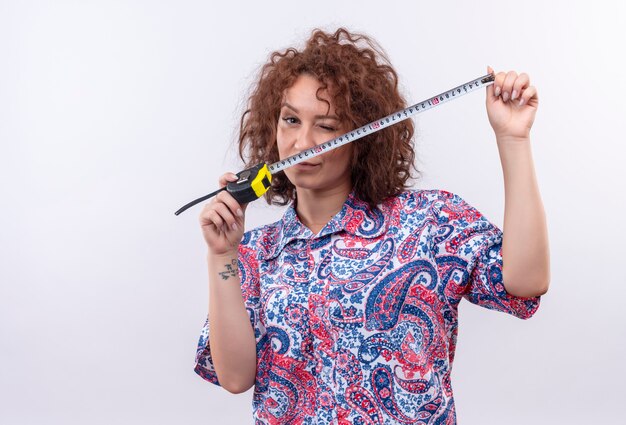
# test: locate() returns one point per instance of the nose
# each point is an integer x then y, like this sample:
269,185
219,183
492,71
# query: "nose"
304,138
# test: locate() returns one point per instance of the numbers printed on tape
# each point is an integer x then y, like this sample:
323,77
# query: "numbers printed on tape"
382,123
255,181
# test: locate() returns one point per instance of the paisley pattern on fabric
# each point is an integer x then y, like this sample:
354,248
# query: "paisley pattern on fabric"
358,324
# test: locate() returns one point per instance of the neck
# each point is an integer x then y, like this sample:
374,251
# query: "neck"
315,208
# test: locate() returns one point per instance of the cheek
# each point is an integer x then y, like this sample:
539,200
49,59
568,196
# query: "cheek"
342,156
280,141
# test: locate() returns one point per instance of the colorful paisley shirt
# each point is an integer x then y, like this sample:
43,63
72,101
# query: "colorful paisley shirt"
358,324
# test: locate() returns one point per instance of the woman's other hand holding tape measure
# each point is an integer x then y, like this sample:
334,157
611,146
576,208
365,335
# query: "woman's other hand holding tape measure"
223,220
511,106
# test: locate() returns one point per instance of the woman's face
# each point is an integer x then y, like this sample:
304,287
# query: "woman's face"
305,122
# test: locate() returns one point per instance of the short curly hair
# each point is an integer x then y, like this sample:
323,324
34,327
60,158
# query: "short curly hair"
364,88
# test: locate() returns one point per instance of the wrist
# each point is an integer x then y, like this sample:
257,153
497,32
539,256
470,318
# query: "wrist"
513,142
513,149
516,158
223,267
223,256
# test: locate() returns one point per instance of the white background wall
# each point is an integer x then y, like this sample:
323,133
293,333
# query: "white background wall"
115,113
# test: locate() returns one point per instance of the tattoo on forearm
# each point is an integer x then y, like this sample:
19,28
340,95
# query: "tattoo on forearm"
231,270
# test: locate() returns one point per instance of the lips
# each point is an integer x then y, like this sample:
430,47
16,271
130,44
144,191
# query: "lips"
306,166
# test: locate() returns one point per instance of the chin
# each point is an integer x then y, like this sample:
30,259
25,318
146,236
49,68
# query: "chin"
313,181
303,181
307,184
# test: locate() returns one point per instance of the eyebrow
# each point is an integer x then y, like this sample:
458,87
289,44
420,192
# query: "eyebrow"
332,117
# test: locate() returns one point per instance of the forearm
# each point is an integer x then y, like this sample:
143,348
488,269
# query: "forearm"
232,342
525,251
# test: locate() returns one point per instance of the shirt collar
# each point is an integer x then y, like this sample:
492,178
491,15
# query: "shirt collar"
355,218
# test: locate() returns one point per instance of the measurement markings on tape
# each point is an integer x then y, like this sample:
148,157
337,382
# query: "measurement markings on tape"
253,182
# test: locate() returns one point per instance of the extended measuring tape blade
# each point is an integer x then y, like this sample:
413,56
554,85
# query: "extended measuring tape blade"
382,123
254,182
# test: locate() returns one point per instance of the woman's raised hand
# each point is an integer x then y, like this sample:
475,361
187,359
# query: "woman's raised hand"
511,105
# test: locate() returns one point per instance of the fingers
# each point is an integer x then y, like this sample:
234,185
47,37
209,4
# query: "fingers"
228,177
490,92
222,215
210,216
507,85
528,96
237,208
234,207
519,85
223,211
511,86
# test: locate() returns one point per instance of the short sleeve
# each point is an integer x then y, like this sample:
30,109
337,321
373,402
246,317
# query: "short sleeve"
249,275
469,242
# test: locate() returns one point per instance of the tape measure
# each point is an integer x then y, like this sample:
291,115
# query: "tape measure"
253,182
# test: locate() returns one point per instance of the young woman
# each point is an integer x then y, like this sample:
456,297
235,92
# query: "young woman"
345,310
